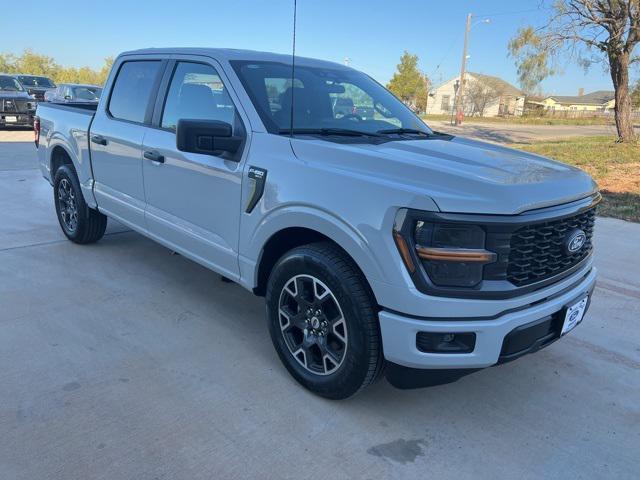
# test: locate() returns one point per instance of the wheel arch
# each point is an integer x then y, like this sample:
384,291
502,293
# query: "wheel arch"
59,156
302,230
63,153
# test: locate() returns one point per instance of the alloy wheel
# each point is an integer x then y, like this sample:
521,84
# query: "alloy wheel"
67,205
312,324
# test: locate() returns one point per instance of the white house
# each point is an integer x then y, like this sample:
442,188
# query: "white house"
484,95
599,101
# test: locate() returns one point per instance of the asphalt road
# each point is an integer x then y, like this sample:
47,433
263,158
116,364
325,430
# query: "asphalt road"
121,361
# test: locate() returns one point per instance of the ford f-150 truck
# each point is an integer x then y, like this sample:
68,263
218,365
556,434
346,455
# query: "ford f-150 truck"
35,85
17,107
376,241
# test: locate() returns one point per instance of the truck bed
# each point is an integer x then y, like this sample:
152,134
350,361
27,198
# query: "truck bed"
85,107
65,126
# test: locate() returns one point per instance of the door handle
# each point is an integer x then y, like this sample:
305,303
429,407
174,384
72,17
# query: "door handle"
99,139
153,156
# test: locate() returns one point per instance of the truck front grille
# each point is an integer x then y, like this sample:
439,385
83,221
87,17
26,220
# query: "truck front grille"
16,105
538,251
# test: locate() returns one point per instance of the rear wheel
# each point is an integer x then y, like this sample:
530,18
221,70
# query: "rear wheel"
79,223
323,321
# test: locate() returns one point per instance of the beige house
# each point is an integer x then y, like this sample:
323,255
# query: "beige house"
484,95
599,101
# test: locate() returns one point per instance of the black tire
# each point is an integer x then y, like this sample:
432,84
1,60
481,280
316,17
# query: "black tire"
361,360
89,224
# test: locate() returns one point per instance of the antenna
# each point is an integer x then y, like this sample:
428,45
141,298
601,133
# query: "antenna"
293,65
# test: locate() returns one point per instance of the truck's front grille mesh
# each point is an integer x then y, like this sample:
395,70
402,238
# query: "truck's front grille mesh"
15,105
537,252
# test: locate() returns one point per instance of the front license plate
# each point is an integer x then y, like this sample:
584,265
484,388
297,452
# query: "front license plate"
573,315
11,119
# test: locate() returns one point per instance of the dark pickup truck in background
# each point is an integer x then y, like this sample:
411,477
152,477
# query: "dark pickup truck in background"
35,85
17,107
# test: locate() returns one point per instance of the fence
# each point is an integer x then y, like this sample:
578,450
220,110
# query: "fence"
576,114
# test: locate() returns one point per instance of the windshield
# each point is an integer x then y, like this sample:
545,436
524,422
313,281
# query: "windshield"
87,93
324,99
31,81
10,84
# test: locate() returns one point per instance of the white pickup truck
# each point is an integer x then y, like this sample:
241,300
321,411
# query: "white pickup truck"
376,241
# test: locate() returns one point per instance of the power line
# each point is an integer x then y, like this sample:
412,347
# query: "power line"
452,44
517,12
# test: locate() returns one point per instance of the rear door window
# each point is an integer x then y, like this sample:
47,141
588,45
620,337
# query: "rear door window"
196,93
132,90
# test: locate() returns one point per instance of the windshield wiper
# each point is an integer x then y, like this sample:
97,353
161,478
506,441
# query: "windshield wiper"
345,132
400,131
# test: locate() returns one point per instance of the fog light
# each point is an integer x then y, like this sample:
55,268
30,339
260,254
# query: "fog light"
446,342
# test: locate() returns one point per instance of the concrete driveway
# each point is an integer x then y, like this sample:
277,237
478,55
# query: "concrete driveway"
121,361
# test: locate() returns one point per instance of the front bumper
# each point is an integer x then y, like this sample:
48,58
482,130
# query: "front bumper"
399,331
18,119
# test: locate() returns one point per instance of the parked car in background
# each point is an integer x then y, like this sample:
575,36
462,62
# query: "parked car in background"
374,240
74,93
36,85
17,107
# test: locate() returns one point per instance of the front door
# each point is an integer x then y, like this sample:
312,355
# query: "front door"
193,200
116,137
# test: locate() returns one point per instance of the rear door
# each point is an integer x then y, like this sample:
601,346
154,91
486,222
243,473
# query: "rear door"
116,137
193,200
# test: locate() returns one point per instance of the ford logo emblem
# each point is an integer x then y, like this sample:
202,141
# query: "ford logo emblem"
575,241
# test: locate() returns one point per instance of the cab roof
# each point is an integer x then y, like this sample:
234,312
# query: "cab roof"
231,54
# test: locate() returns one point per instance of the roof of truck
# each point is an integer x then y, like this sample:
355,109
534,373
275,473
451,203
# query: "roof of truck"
237,54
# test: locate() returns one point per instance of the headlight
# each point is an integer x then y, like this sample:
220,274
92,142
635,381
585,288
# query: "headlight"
451,254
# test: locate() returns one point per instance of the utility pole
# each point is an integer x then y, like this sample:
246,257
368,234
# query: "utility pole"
463,68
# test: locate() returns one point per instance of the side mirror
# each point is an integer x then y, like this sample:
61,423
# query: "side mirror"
206,137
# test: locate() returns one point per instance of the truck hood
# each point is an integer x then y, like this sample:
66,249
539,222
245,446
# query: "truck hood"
10,95
459,174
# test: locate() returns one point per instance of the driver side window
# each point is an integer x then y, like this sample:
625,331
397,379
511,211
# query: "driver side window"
196,93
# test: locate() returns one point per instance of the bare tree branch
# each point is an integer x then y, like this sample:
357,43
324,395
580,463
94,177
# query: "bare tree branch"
575,29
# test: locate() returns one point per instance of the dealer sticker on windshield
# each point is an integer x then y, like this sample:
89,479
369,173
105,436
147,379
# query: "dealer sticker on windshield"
574,314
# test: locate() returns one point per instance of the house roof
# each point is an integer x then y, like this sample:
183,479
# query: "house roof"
599,97
503,85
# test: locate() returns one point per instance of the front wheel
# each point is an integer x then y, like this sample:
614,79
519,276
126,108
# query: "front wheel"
79,223
323,321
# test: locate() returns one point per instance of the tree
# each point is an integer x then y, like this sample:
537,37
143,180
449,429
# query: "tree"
408,83
35,64
635,95
7,62
589,31
104,71
481,93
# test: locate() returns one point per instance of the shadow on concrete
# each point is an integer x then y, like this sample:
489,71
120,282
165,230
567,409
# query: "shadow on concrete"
18,155
16,128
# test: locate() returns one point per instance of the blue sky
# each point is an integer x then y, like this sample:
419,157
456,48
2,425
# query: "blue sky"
372,33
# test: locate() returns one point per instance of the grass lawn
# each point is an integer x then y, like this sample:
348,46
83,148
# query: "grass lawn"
526,120
615,166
